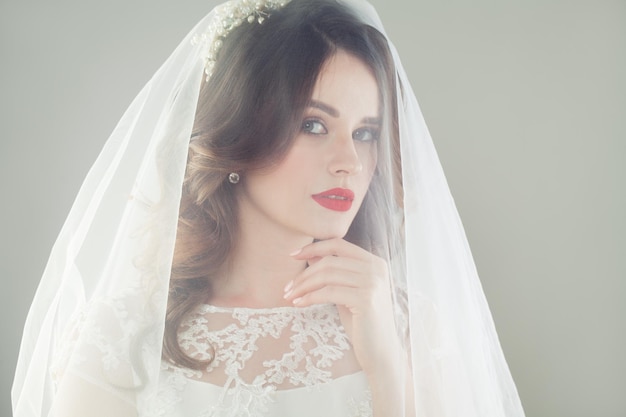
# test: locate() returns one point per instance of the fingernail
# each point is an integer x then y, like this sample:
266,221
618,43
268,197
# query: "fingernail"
297,300
295,252
288,286
287,294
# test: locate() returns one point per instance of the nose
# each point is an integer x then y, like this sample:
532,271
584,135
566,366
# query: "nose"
345,159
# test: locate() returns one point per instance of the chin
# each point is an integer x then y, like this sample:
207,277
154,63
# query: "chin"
330,234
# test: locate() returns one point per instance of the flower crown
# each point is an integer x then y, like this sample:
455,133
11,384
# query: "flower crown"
227,17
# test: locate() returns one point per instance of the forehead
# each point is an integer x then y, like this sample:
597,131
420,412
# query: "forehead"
347,83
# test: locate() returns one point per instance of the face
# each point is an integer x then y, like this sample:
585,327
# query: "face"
317,189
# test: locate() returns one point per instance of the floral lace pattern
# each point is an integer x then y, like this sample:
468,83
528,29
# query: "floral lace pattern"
100,342
261,361
256,353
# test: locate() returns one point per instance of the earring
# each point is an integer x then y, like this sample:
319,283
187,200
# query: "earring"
233,178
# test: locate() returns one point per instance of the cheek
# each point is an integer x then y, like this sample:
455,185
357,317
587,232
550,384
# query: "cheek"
290,170
369,158
294,166
293,173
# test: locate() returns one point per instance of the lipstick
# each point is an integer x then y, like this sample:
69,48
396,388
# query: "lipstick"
337,199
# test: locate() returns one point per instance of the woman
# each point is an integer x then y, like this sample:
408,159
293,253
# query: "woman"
300,255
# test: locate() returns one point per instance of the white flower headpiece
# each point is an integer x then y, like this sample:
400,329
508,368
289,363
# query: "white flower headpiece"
227,17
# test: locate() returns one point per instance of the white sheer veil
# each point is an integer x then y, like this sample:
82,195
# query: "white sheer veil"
110,266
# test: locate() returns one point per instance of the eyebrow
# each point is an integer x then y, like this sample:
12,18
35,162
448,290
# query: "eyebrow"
335,113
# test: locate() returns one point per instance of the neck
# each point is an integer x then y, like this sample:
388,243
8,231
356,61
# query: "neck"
260,266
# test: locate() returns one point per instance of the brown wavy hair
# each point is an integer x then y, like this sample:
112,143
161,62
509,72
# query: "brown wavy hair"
248,113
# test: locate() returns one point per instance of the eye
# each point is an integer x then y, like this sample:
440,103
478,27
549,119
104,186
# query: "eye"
366,134
314,127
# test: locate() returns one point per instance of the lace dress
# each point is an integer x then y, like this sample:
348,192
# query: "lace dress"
284,361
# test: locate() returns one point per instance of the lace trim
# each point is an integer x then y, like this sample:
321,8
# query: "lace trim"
316,341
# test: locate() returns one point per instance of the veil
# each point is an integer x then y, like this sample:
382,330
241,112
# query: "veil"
97,321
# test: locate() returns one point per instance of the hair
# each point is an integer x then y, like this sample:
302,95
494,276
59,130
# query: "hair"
248,113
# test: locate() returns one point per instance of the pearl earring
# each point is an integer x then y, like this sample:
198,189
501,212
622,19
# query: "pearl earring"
233,178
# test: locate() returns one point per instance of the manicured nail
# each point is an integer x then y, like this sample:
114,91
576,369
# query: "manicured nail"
295,252
297,300
288,287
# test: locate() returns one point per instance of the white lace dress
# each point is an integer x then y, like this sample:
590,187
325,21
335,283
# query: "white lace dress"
284,361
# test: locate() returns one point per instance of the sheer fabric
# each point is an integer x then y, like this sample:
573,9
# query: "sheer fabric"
267,362
93,339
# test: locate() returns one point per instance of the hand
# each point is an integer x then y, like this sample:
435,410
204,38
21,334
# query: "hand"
358,283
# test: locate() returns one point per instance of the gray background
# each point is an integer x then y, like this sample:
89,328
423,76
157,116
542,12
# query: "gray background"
525,100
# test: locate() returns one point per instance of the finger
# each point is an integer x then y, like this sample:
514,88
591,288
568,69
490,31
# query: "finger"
342,296
327,279
331,266
328,263
331,247
313,261
371,269
370,266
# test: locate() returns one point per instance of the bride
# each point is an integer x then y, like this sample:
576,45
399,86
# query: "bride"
267,232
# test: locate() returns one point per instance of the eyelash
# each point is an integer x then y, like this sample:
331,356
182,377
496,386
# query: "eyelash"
312,122
308,127
373,132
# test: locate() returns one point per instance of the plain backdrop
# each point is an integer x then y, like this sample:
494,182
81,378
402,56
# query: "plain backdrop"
526,102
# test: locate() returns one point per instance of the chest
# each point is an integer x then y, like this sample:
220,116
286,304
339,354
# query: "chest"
270,362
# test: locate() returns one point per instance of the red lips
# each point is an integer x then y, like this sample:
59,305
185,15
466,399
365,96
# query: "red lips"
338,199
